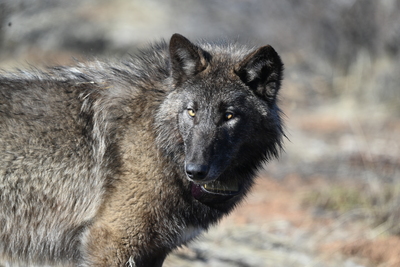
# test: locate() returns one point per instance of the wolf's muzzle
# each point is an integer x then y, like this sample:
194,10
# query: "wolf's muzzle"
196,172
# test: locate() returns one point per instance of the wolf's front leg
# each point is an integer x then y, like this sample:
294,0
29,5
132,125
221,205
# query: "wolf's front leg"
104,246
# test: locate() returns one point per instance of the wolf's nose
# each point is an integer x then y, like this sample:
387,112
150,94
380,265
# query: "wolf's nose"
196,172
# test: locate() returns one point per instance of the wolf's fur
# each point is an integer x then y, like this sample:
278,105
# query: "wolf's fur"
102,164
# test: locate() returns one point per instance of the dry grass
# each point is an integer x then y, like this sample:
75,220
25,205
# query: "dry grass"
378,205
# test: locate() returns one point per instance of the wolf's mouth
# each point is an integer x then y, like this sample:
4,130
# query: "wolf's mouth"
217,187
215,192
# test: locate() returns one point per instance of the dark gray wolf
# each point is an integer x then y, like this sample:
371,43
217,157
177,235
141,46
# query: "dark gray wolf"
117,164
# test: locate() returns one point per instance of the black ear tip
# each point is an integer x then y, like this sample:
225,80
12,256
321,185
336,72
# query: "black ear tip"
269,51
177,38
175,35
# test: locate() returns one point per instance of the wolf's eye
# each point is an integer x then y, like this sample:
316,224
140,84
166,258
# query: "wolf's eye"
228,115
191,112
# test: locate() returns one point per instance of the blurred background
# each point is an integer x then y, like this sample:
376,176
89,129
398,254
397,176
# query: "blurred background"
333,197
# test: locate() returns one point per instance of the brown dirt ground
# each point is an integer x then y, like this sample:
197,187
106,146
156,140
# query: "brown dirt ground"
281,200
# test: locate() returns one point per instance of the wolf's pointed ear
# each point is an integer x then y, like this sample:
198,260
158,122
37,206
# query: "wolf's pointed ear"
262,71
186,58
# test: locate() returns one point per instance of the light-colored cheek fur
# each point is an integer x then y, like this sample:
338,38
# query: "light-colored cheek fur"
189,233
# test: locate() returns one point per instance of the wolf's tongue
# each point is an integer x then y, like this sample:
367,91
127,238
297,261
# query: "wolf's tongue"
197,191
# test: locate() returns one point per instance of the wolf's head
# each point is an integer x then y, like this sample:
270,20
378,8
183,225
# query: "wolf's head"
220,120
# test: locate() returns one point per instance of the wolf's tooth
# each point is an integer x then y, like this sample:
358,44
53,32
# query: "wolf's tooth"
215,186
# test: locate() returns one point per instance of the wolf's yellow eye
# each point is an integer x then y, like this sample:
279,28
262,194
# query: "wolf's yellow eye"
191,112
228,115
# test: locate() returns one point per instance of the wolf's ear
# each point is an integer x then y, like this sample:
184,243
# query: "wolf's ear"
262,71
186,58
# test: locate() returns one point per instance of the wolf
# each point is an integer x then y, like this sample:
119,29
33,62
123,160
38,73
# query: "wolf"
118,163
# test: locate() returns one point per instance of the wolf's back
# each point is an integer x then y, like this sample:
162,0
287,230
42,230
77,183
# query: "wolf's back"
45,168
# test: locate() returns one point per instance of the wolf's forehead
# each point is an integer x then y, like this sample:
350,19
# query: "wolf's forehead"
226,50
221,96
